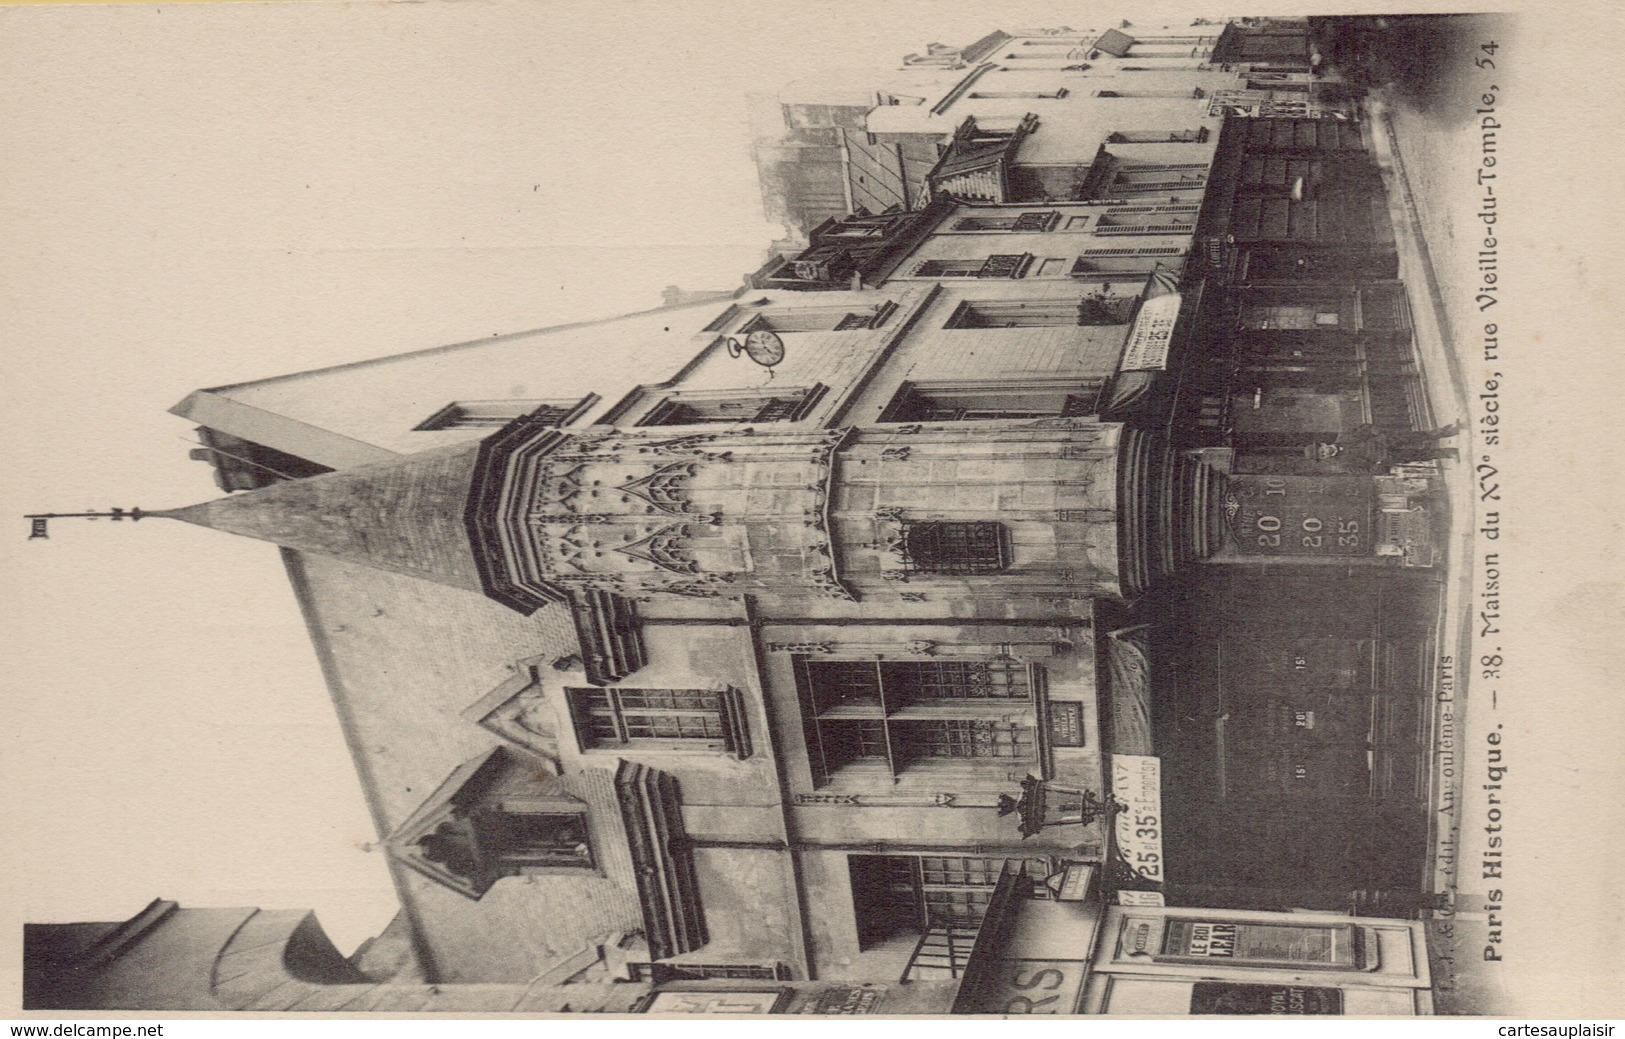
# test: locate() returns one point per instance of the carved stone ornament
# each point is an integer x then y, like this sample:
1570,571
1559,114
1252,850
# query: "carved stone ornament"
666,488
519,712
801,647
666,548
876,800
891,542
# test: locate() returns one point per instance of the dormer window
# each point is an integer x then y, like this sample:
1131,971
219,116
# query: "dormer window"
502,814
508,841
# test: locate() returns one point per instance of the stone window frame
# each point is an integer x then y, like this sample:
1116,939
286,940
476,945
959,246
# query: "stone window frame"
1072,311
712,407
622,720
956,548
817,319
997,265
885,730
1025,221
464,814
494,414
929,401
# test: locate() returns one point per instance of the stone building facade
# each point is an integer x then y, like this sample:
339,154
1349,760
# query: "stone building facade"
931,644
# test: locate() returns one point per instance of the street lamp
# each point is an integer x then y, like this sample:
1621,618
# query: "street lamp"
1046,803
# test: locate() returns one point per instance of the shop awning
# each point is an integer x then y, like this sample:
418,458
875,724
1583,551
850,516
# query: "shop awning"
1022,934
1129,688
1149,342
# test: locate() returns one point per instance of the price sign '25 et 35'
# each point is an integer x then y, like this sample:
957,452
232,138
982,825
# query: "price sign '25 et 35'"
1137,783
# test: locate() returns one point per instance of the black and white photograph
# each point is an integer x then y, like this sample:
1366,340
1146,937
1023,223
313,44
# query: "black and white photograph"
717,509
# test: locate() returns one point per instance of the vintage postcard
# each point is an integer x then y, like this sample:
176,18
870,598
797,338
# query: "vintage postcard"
911,510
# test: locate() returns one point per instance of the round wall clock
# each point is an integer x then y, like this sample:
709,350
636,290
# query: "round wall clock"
762,346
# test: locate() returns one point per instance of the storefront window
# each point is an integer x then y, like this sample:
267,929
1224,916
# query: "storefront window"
1245,942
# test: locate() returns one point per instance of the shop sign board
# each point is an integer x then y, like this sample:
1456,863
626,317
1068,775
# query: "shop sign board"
1137,783
708,1001
1222,997
859,999
1151,334
1072,883
1301,515
1066,723
1213,941
1026,987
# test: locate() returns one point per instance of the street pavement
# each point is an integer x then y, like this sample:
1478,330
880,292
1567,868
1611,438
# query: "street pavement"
1427,167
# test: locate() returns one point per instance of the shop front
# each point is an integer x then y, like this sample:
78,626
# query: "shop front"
1193,961
1052,946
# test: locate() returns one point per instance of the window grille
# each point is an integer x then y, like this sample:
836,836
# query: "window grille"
1125,187
1159,136
948,269
955,548
1037,221
1139,229
1005,266
1153,250
917,681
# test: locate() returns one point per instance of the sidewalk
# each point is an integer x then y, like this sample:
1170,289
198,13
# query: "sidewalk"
1413,157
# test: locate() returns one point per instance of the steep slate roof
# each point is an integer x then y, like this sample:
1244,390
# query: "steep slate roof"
404,516
403,659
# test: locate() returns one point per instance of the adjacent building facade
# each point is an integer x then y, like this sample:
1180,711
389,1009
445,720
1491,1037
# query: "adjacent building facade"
963,617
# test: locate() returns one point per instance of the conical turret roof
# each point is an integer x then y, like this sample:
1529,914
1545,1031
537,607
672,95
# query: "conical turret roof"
405,516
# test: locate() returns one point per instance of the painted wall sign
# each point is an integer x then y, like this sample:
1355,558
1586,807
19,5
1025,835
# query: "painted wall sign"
1072,883
677,1001
855,1000
1027,987
1151,334
1066,723
1137,782
1301,515
1222,997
